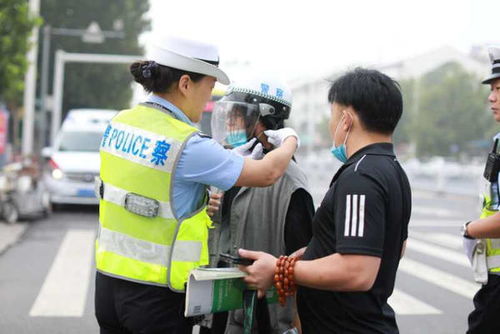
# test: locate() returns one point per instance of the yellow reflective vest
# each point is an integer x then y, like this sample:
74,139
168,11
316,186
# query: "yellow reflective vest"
139,152
492,245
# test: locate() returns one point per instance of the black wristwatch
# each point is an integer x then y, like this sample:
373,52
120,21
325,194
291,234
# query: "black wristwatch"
465,233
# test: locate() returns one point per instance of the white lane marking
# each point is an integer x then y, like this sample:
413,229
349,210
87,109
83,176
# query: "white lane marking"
436,222
440,278
64,291
435,212
443,239
404,304
438,252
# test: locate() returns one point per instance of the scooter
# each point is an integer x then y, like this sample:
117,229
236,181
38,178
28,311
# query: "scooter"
21,194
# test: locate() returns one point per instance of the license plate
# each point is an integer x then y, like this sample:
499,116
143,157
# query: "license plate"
85,193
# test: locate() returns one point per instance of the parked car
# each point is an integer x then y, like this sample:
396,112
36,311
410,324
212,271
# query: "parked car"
73,162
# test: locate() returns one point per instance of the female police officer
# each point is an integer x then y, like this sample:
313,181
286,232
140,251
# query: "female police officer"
155,167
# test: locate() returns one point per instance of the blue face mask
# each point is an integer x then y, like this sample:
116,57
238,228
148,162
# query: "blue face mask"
237,138
340,152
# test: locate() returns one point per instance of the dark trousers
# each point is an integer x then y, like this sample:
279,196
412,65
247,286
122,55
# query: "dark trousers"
485,318
124,307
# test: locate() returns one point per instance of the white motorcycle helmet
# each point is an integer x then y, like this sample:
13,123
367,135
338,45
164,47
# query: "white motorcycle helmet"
247,102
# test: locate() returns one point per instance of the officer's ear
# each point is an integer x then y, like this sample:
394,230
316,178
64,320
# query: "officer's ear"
183,84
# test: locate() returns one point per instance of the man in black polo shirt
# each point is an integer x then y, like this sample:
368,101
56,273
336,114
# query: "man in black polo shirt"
347,271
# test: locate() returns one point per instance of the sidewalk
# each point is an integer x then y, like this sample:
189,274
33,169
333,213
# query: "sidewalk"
9,234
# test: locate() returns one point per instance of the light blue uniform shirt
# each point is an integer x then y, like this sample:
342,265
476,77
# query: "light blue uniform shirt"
203,162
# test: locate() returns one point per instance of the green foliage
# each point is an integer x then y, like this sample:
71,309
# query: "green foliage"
403,132
96,85
15,29
445,113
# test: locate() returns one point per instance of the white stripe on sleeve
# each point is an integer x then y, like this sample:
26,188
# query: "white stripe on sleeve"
347,215
361,229
354,221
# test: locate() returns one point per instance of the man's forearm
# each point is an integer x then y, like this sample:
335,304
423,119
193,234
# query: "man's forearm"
338,272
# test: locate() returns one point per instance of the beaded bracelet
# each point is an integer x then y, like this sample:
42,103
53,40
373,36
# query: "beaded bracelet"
284,278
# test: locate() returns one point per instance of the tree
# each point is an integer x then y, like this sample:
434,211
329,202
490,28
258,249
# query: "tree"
96,85
15,28
451,112
403,134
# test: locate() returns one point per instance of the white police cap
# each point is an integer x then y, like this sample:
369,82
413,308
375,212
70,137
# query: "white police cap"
494,53
188,55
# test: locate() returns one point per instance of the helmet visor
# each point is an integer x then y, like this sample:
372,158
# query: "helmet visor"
233,123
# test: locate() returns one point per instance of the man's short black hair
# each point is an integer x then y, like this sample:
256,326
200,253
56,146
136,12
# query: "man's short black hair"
375,97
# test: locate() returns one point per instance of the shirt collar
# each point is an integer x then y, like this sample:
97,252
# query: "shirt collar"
372,149
179,114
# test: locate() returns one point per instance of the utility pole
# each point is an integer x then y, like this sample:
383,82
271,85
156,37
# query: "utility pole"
30,84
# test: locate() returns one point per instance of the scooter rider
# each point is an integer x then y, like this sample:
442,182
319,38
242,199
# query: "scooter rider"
276,219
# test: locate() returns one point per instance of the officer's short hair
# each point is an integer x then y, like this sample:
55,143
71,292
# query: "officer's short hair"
373,95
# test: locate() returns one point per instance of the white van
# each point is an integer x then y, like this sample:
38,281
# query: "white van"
73,161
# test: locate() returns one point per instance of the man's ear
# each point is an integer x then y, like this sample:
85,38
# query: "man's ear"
184,83
349,119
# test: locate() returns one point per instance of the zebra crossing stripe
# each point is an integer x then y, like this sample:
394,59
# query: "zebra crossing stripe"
443,239
433,211
438,252
64,291
438,277
354,224
404,304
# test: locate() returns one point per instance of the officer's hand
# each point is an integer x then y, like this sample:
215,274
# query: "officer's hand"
277,137
257,152
213,204
244,150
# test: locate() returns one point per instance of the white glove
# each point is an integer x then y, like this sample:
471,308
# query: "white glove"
244,150
277,137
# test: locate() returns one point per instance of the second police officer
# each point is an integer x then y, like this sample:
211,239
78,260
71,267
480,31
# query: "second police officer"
275,219
484,318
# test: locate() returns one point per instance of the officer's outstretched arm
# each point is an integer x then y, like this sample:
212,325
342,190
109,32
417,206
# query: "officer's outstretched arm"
488,227
265,172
